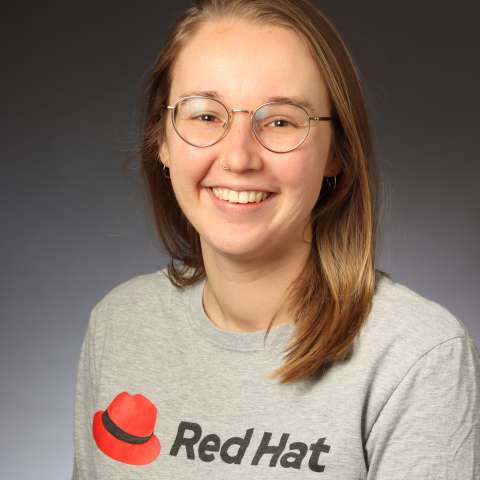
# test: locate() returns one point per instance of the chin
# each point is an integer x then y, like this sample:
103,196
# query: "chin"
242,250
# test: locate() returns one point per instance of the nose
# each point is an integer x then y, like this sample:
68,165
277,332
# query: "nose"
239,148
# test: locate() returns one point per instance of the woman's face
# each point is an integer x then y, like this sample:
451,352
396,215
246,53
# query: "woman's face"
246,64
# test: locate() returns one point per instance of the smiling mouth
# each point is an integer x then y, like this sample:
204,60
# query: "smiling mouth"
231,196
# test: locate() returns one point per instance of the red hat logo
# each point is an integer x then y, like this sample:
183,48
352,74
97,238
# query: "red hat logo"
124,431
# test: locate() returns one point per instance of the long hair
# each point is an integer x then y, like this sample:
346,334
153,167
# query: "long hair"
332,296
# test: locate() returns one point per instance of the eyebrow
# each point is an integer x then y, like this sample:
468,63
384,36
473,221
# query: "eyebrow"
214,94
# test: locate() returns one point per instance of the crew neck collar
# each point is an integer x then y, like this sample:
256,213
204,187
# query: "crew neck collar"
241,341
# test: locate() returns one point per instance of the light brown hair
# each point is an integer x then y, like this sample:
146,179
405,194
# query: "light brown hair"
332,296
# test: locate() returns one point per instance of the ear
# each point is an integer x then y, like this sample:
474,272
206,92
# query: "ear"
163,153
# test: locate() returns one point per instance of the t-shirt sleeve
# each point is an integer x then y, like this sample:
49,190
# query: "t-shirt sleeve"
429,429
85,401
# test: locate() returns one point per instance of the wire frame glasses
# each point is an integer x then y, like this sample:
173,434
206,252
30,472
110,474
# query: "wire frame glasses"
203,121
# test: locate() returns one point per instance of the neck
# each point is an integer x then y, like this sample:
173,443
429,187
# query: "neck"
240,299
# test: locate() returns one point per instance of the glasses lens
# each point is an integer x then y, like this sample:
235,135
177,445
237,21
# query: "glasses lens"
200,121
281,126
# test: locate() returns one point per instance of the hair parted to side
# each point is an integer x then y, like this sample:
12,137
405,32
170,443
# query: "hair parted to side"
332,296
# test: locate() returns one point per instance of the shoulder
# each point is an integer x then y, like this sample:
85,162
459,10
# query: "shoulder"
146,287
408,344
139,300
422,384
404,325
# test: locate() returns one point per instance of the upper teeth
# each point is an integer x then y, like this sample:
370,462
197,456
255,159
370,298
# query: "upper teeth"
239,197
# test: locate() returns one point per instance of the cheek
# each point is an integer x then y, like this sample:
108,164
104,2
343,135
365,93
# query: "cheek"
187,163
301,173
190,164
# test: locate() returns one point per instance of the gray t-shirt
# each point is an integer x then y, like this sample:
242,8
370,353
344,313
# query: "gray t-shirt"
405,405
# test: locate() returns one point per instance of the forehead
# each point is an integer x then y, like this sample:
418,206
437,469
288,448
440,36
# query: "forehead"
247,63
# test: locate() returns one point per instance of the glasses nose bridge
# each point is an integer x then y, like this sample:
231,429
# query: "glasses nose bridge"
240,110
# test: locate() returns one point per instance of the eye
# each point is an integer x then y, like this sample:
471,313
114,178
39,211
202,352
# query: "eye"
205,118
281,123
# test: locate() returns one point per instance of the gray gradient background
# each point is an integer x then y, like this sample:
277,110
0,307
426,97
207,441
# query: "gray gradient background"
74,219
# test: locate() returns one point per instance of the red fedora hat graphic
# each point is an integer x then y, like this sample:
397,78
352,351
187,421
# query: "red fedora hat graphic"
124,431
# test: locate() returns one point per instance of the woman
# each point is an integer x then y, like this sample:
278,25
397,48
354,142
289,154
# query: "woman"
270,347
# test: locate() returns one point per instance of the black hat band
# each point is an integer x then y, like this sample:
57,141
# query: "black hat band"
117,432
